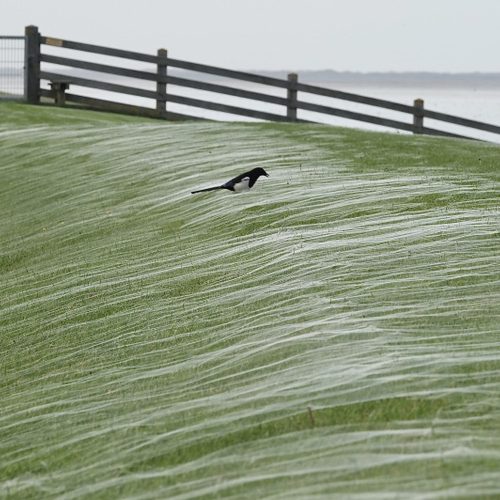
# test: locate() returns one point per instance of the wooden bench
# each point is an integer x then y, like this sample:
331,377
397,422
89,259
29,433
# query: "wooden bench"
59,88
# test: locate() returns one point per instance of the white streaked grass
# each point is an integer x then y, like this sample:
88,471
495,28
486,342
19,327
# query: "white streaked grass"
158,344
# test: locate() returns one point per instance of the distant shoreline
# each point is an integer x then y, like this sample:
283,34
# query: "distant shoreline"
470,81
407,79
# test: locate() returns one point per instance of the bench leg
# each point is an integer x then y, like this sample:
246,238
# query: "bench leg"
60,97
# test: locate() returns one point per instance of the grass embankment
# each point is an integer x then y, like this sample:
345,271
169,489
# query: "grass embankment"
157,344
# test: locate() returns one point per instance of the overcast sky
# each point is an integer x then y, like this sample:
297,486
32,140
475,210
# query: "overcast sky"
344,35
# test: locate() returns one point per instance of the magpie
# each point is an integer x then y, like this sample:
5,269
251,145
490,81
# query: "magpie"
239,184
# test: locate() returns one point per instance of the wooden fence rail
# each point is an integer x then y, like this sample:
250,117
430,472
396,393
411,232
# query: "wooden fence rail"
291,102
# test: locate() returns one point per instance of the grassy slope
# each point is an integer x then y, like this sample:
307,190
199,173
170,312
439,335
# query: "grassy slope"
157,344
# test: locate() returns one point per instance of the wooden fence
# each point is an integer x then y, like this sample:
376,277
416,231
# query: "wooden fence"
60,84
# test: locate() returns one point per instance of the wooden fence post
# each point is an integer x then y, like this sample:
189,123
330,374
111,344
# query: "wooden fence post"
418,116
32,73
291,109
161,87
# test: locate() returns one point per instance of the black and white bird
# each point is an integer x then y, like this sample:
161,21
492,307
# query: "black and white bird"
239,184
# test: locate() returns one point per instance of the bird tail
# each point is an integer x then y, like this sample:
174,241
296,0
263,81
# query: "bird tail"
207,189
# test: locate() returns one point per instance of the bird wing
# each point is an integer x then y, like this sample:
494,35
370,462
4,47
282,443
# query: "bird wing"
242,185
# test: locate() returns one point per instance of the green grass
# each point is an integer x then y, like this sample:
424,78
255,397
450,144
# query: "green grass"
157,344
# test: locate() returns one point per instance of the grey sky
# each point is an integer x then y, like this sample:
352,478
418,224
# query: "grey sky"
354,35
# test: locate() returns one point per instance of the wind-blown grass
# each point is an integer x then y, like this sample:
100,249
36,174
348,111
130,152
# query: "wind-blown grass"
333,333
